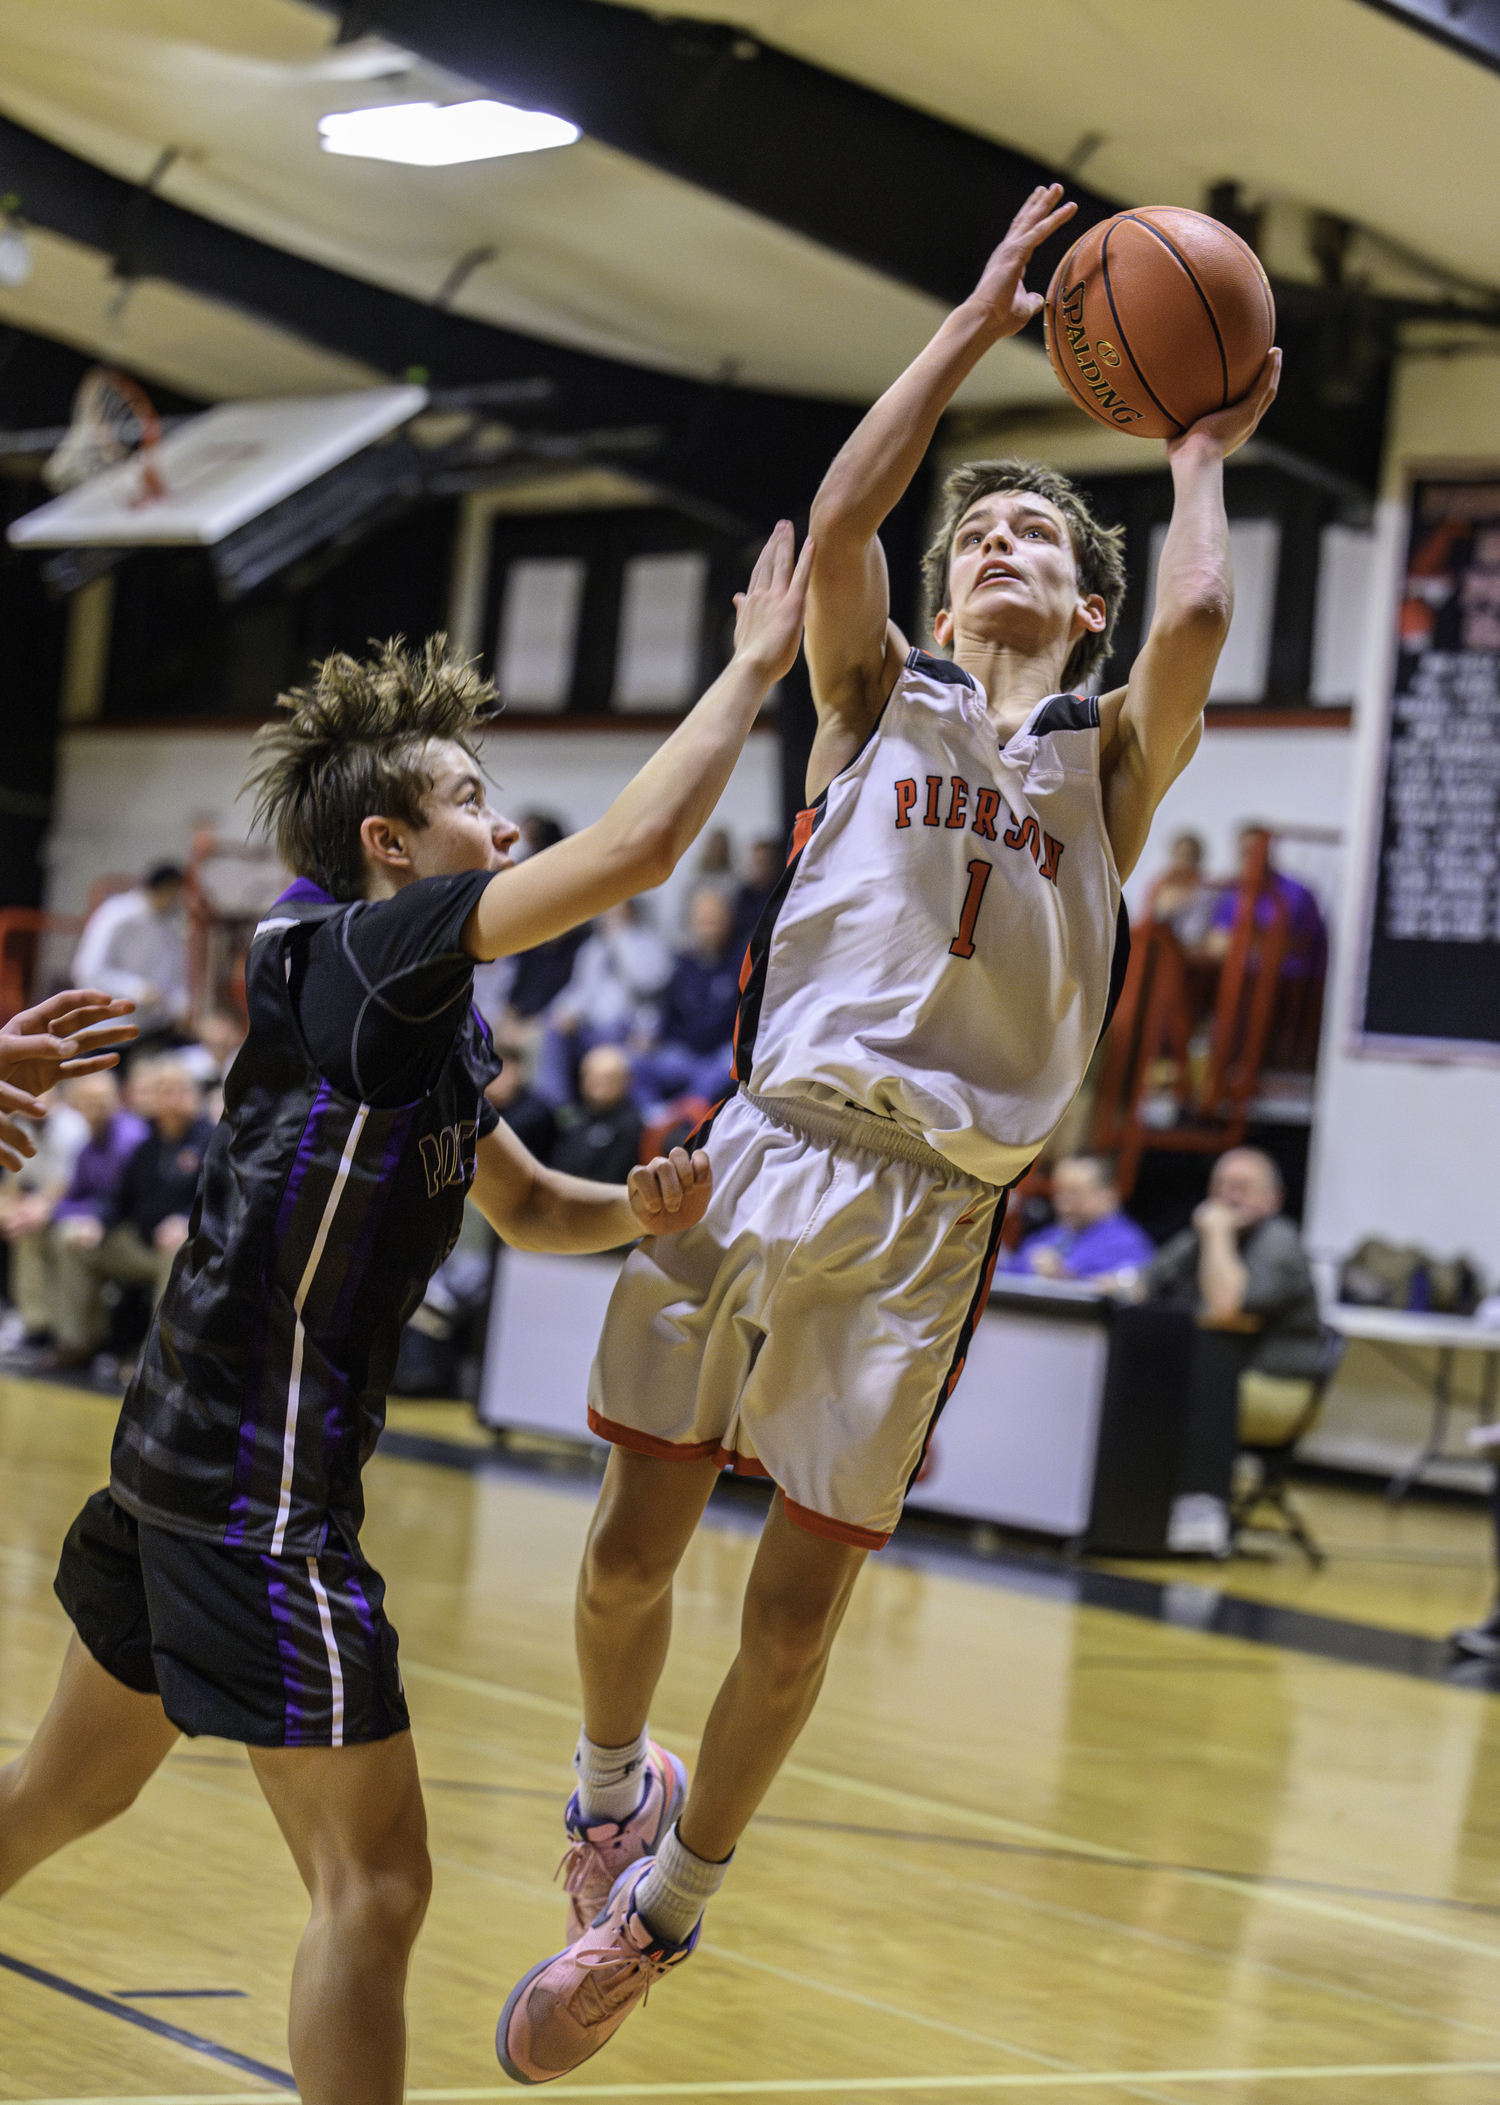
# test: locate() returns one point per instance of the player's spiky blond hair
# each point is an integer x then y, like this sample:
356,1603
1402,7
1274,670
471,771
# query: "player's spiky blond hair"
350,747
1098,551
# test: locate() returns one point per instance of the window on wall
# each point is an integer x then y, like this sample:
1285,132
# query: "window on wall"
661,626
1245,661
1301,565
538,638
619,611
1345,611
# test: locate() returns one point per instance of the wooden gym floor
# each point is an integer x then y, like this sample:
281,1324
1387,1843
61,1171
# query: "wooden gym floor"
1024,1848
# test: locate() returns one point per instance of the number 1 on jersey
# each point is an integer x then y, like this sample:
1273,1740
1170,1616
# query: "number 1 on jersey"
963,943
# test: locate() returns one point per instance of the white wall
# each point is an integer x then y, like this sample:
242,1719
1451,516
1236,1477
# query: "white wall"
1405,1148
127,798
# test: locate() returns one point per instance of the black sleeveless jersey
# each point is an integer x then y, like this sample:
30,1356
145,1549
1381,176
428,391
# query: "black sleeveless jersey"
319,1221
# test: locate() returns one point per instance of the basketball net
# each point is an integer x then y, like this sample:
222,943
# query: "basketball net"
113,418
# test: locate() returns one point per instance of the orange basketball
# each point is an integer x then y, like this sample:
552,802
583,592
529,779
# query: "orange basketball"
1158,317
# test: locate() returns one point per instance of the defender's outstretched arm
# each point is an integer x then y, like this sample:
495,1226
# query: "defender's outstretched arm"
532,1207
1151,727
853,650
656,817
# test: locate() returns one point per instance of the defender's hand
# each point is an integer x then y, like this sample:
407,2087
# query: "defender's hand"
671,1193
1228,429
58,1039
1000,290
768,613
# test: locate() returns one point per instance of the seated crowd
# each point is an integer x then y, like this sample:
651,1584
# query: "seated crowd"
93,1220
609,1030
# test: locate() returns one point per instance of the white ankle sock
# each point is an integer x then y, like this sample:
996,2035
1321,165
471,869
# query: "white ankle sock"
610,1779
674,1892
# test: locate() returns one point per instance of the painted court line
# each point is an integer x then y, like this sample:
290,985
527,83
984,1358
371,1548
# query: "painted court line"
813,2086
996,1824
145,2022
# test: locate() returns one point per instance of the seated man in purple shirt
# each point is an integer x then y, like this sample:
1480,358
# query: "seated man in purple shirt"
114,1136
1306,953
1090,1237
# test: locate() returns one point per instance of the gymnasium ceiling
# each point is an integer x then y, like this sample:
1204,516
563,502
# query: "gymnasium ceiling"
1313,106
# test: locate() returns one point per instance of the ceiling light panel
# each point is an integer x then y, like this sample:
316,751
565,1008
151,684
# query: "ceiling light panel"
437,135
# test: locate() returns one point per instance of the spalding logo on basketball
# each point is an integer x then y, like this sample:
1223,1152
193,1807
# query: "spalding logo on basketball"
1156,318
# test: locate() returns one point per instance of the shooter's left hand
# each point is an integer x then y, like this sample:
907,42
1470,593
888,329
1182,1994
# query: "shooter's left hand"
1000,290
671,1193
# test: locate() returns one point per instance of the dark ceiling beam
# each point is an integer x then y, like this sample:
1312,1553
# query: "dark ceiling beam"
1469,27
908,194
752,452
895,188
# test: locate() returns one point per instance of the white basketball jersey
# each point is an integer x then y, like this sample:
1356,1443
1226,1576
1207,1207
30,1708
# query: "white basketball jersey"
947,940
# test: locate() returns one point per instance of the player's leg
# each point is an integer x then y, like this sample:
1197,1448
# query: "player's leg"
566,2008
799,1589
105,1732
629,1789
97,1745
648,1509
355,1823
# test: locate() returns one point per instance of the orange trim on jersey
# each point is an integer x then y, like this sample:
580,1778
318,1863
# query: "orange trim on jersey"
741,1464
836,1530
647,1443
802,831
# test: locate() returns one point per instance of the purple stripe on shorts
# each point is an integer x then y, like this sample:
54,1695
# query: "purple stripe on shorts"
286,1644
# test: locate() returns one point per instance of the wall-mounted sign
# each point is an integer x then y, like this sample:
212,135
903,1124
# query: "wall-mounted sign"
1431,982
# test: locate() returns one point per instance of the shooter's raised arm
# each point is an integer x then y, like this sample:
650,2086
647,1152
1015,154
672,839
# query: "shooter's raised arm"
657,816
852,651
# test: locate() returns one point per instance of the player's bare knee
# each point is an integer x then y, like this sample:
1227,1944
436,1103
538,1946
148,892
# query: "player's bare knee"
74,1801
623,1568
789,1635
380,1898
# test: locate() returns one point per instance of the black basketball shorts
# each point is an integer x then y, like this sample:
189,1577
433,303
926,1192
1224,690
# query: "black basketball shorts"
269,1651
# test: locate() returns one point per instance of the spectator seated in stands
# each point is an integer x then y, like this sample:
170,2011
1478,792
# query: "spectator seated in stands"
529,1116
762,875
600,1137
1306,953
135,945
1182,897
607,1001
1090,1238
694,1055
219,1035
514,993
133,1237
1242,1269
29,1198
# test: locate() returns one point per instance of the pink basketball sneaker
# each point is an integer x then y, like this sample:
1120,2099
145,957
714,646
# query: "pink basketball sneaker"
599,1854
569,2006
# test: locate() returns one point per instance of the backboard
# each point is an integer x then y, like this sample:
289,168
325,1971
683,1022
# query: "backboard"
218,471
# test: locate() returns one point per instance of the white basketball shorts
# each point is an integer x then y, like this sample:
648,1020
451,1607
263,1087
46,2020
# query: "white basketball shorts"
812,1326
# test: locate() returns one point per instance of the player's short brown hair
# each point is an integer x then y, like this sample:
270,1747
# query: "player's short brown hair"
349,747
1098,551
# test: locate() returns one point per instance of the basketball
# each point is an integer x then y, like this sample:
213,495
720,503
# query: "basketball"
1158,317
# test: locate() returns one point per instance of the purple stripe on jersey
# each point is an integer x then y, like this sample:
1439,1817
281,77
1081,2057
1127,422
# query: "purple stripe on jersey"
250,1419
286,1644
303,889
356,1267
307,1148
360,1251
